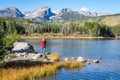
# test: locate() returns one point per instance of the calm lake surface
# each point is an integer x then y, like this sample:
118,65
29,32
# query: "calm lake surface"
106,50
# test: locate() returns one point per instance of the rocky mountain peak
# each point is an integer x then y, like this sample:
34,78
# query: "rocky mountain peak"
11,12
42,13
41,9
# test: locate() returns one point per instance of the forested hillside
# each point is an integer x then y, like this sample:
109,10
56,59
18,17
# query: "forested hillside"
87,27
110,20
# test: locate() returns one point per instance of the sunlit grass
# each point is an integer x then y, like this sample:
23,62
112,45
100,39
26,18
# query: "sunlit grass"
37,71
72,65
54,56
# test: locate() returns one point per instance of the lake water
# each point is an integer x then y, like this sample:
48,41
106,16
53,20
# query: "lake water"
108,51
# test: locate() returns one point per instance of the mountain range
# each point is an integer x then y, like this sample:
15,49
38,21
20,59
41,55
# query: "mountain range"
11,12
46,14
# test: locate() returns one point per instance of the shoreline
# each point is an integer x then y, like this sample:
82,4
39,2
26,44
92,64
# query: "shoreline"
65,37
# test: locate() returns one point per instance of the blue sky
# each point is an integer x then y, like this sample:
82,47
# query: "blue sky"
106,6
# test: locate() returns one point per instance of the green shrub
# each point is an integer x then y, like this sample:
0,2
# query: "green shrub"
1,42
10,39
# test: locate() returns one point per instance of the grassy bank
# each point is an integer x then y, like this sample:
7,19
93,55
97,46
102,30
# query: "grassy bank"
37,71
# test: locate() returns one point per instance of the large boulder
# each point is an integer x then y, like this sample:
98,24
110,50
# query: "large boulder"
21,47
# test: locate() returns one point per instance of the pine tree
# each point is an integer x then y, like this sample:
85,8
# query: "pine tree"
1,40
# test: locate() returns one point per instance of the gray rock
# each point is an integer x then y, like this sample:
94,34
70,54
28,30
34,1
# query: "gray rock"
21,54
24,56
34,56
73,58
66,59
96,61
88,62
21,47
81,59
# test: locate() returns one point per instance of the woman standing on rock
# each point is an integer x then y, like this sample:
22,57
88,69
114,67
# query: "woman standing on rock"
43,46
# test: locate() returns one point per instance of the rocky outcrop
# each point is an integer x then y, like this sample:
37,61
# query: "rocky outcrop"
23,56
23,51
22,47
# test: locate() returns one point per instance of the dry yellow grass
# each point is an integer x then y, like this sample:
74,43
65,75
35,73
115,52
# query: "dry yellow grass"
54,56
72,65
36,71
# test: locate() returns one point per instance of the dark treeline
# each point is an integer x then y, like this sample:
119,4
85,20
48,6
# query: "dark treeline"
91,29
